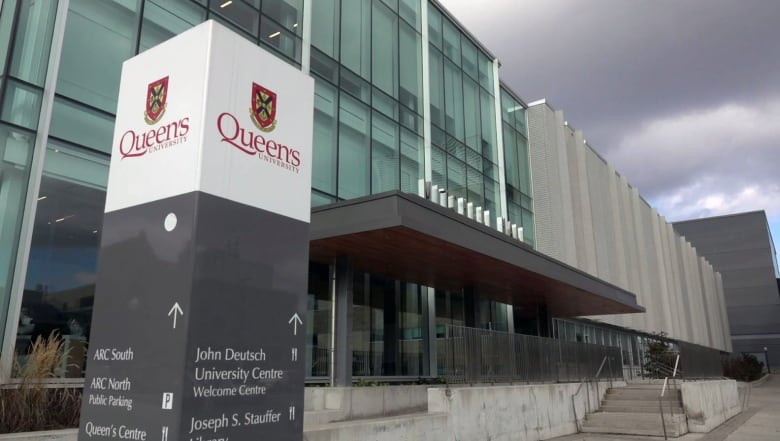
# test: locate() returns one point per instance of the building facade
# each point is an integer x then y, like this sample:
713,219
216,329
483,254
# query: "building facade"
590,217
741,248
406,101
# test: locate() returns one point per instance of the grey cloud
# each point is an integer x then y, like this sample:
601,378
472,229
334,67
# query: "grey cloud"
683,96
610,63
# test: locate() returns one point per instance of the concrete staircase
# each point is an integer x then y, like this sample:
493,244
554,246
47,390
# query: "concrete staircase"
634,410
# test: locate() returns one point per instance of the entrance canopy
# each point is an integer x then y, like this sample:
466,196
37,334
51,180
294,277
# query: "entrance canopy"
407,237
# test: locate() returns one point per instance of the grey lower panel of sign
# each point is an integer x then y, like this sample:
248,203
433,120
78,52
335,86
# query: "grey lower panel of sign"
198,329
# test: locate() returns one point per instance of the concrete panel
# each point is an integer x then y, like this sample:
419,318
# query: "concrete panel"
580,194
568,247
663,277
706,300
677,287
685,286
504,413
724,312
619,241
551,186
760,319
400,428
709,403
49,435
629,228
643,294
601,212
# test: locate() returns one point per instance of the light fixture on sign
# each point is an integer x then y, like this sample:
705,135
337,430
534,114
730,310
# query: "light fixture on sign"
275,34
295,25
226,4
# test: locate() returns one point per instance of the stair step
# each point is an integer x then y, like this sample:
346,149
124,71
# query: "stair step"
659,431
650,404
657,387
634,423
641,394
641,409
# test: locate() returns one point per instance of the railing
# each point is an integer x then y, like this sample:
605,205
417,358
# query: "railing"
663,391
479,356
320,361
606,361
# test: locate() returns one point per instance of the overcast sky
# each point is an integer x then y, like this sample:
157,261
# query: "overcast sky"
683,96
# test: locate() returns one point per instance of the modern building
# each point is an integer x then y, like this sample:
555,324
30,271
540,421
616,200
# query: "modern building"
741,249
590,217
433,205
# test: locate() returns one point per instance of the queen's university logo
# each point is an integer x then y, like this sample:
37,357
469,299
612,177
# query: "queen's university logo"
263,110
156,101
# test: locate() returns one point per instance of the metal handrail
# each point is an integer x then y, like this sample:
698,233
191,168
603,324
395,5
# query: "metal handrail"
590,380
663,391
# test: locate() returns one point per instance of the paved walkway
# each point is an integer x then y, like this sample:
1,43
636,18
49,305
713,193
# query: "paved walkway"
760,422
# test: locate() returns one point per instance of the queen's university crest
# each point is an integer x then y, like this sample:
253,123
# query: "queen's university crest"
263,110
156,100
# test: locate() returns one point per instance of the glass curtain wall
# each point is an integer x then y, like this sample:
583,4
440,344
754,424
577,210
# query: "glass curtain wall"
464,152
25,41
318,325
450,310
99,36
517,164
387,328
631,344
368,132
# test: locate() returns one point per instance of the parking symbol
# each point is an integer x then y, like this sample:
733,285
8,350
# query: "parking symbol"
167,402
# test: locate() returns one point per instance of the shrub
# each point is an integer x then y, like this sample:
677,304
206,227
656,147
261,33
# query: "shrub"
31,404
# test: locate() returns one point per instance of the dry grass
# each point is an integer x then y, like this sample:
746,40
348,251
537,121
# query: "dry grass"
31,404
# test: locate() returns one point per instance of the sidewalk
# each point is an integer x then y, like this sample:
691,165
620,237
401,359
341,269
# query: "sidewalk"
760,422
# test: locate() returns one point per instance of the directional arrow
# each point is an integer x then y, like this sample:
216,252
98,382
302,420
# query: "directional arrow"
175,310
295,320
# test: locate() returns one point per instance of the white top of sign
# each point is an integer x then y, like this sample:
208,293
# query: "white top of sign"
210,111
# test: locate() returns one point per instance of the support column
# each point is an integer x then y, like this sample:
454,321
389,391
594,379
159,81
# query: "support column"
341,369
392,303
430,351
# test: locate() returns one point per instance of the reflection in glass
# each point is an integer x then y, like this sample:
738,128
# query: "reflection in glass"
21,104
449,311
287,13
354,142
7,14
99,37
60,284
239,13
165,18
412,160
409,10
32,41
325,29
318,325
384,154
274,36
356,24
325,141
387,328
517,164
81,125
16,147
384,54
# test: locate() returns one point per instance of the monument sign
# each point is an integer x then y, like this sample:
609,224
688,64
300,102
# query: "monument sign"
198,329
